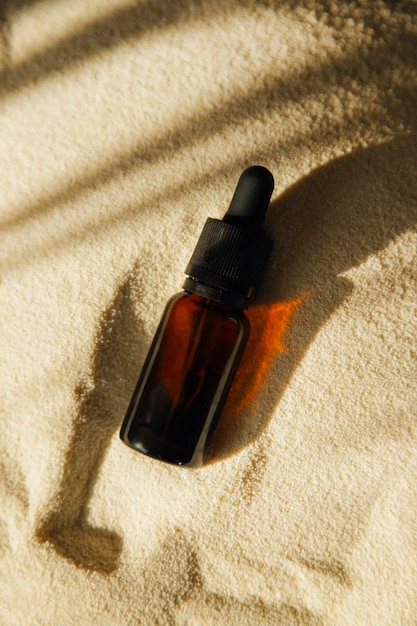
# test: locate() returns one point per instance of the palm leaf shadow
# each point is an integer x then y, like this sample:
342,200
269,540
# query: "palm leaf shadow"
277,92
259,102
133,22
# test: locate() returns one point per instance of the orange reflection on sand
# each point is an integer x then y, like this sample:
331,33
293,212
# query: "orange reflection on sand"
269,323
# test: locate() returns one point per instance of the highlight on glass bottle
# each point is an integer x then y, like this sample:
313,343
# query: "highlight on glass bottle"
191,363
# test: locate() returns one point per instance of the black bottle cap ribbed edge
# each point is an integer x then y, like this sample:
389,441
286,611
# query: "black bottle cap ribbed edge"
231,254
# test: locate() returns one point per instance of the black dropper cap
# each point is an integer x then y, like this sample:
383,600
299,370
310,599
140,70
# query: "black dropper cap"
231,254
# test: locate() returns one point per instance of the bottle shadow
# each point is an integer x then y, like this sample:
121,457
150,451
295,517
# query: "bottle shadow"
118,349
327,223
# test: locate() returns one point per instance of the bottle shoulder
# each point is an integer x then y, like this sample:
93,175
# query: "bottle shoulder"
194,302
183,310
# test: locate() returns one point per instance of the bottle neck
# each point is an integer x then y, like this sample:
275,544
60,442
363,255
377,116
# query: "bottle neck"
215,293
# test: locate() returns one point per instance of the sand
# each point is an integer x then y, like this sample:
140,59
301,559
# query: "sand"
123,126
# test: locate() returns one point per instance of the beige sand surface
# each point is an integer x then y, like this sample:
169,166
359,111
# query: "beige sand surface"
123,125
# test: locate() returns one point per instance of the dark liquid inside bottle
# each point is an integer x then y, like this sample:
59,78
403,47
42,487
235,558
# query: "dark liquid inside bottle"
185,379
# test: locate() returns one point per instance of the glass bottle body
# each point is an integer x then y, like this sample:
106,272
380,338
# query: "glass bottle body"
185,379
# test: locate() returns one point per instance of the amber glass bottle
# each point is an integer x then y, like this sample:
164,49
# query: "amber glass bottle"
203,331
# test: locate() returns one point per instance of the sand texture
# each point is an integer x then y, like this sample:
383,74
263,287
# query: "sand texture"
124,124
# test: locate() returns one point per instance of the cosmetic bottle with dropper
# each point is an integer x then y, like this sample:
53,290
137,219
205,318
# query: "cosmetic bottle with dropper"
202,334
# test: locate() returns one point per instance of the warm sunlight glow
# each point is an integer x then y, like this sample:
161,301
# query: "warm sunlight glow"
269,323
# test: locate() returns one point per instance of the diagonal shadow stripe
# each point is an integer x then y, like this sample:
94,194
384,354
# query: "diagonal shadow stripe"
4,40
7,5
